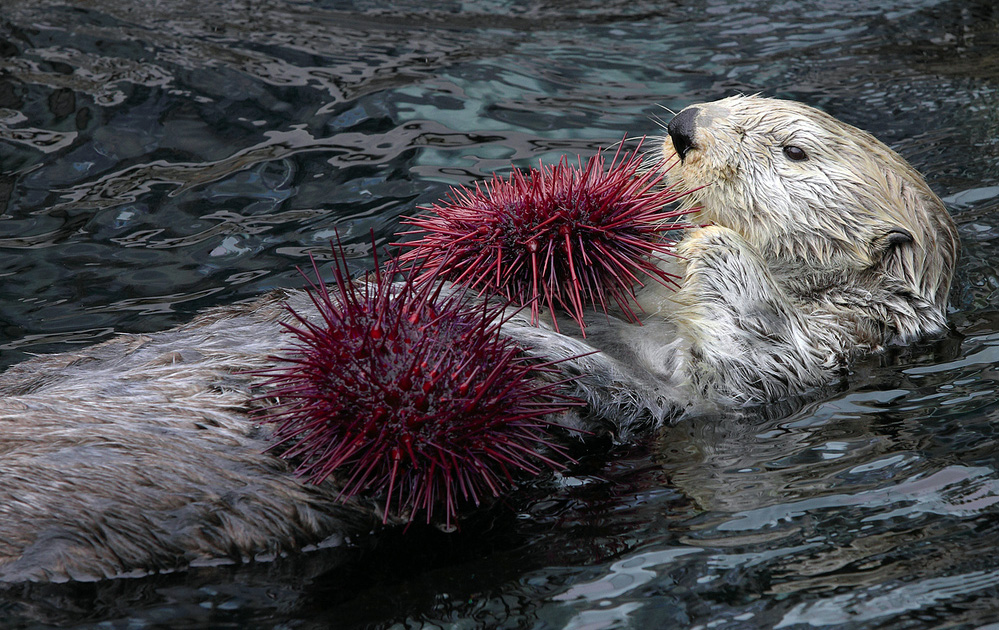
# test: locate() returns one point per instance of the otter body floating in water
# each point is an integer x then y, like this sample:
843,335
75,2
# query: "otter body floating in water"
823,245
140,454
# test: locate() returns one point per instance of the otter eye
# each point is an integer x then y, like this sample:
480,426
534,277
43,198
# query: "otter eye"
795,153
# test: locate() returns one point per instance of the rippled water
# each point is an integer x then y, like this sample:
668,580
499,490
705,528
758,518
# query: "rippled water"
160,157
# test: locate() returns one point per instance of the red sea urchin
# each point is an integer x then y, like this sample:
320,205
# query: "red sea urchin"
411,395
562,236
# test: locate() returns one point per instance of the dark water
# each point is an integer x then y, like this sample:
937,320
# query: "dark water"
160,157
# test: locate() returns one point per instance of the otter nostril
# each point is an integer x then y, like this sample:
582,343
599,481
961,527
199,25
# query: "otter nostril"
681,130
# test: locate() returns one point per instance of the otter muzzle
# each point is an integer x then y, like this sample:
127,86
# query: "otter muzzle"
681,130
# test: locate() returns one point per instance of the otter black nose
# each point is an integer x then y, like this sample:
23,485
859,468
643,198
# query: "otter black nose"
681,130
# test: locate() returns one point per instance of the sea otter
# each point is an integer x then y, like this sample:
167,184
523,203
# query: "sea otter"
140,454
820,244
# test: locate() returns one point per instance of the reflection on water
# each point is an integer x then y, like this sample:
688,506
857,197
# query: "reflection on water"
158,158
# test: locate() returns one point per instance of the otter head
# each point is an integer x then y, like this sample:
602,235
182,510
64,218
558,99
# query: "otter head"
821,199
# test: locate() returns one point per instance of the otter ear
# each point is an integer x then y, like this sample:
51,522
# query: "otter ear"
888,241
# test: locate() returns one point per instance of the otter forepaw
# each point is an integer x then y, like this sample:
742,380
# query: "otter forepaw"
747,337
705,238
723,268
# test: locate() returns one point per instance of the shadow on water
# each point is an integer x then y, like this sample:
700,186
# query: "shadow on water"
159,158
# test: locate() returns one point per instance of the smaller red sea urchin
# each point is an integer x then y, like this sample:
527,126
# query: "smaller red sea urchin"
561,236
411,395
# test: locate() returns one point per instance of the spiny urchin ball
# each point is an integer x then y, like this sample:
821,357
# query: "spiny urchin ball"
562,237
412,396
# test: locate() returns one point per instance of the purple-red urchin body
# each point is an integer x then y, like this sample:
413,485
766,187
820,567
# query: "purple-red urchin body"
562,237
411,396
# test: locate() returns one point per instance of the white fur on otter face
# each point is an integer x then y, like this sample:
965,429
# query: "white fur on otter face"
851,228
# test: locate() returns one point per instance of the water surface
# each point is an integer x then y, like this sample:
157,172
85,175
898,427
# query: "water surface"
158,158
